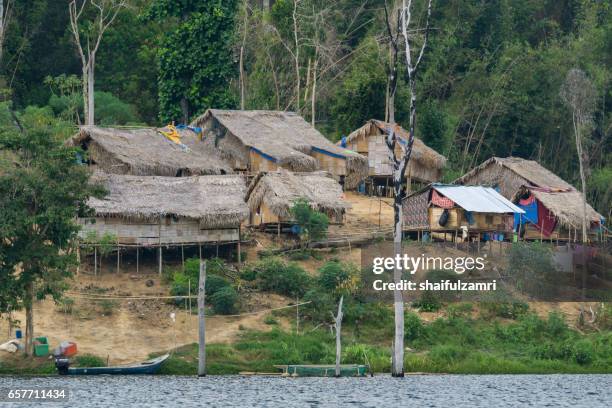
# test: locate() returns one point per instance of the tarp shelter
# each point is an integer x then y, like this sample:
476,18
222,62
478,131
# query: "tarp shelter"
443,207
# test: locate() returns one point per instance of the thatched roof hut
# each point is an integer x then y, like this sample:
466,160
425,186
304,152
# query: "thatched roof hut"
267,140
426,165
147,152
270,196
512,175
153,210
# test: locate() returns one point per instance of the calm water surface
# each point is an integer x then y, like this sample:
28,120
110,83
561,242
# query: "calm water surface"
449,391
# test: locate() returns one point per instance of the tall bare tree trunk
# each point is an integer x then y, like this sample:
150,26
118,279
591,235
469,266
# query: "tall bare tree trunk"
90,91
296,57
580,151
85,86
29,334
314,93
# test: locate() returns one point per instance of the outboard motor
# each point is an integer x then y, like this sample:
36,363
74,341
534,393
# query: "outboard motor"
62,364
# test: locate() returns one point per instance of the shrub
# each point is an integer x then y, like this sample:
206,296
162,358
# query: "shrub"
335,275
583,352
507,310
248,274
224,300
66,305
313,224
286,279
89,360
302,255
413,326
459,310
108,306
428,302
269,319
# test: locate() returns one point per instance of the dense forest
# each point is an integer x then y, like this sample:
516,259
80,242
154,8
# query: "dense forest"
489,84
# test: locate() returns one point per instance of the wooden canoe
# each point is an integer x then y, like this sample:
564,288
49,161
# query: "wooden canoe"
145,367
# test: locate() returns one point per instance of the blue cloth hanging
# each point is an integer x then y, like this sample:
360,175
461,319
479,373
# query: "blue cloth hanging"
343,141
469,217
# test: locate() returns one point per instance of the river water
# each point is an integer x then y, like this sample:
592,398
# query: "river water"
449,391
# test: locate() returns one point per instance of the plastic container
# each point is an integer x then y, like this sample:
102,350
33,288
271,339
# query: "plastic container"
68,348
41,347
18,334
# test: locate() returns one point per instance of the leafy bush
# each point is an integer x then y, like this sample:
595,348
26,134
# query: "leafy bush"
313,224
507,310
428,302
224,300
108,306
583,352
302,255
89,360
249,274
271,320
413,326
276,275
335,276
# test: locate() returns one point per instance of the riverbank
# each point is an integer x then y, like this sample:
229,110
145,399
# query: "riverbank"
458,345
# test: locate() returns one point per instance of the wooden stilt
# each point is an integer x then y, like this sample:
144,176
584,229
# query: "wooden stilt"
239,239
95,261
118,259
137,263
202,321
183,257
278,229
217,244
160,260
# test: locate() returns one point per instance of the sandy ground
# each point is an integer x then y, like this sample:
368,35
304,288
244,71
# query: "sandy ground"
136,328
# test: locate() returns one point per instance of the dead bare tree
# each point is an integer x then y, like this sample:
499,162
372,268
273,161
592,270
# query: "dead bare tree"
105,13
6,10
401,159
579,94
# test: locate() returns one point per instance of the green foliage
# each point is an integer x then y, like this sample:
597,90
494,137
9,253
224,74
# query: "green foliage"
108,306
507,310
89,360
413,326
433,127
41,193
313,224
195,58
338,277
276,275
224,300
270,320
428,302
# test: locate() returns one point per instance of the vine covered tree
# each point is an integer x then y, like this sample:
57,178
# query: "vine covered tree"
195,56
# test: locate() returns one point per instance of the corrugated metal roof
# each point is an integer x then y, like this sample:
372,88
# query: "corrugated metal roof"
478,199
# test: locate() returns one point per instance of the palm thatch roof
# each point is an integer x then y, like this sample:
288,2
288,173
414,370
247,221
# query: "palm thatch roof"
279,190
284,136
217,201
147,152
423,154
566,205
512,174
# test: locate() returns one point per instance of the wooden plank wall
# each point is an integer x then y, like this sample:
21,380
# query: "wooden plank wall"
333,165
172,231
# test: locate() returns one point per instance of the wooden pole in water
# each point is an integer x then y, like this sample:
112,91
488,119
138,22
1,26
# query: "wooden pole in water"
338,326
202,321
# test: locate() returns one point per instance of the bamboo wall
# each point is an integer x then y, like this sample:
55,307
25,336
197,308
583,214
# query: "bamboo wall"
171,230
259,163
333,165
457,219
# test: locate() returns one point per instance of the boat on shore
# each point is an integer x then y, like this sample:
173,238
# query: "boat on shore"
145,367
323,370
